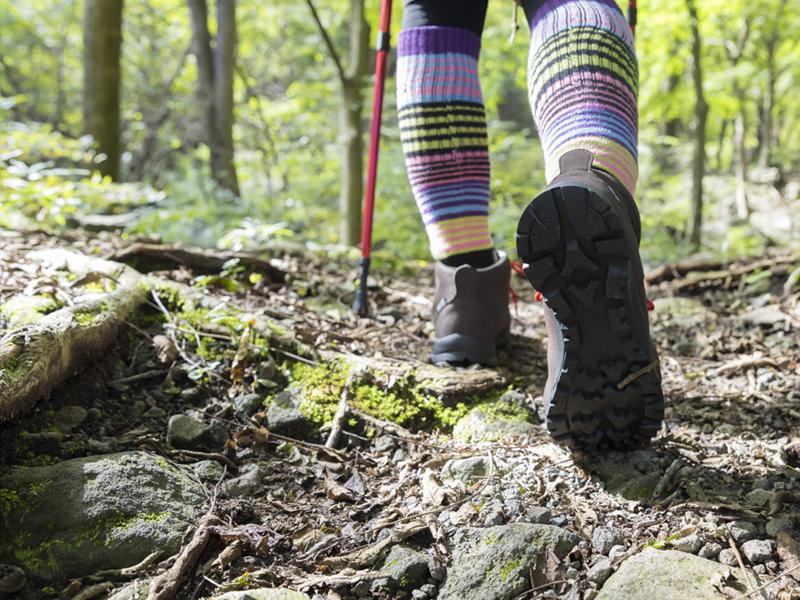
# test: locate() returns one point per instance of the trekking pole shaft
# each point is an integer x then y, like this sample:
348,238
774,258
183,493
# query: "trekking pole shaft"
360,306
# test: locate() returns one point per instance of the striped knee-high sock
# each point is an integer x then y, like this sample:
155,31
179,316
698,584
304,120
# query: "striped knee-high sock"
443,132
582,84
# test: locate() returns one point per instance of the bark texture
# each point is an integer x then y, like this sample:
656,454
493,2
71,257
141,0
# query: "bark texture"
695,225
102,45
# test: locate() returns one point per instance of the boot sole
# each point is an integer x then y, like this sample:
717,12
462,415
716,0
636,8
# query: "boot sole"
583,257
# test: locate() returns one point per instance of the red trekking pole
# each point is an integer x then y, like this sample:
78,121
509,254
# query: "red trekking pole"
361,305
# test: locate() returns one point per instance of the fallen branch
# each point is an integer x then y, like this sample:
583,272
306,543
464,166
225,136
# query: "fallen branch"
747,362
154,257
166,585
343,409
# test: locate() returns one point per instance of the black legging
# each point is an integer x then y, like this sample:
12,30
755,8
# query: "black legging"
464,14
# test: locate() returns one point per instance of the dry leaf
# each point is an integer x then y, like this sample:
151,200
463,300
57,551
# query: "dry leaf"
337,491
433,493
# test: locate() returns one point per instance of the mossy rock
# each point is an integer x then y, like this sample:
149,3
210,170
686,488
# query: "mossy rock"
493,421
88,514
25,310
672,574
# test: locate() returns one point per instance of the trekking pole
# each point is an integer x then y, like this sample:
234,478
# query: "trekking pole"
632,15
361,305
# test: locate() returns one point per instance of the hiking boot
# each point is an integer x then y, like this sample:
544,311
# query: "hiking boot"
470,312
579,242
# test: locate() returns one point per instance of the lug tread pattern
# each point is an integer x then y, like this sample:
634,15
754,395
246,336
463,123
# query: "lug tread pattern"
576,253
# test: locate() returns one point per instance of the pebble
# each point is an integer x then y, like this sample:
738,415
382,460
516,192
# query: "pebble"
605,538
69,417
246,405
616,552
419,595
600,571
246,483
154,412
759,497
760,569
208,470
728,558
742,531
384,443
691,544
710,550
762,483
538,514
429,589
399,456
572,573
757,551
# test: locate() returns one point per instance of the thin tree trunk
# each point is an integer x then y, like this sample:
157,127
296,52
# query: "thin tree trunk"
352,128
215,85
695,224
765,116
723,131
224,63
102,45
740,195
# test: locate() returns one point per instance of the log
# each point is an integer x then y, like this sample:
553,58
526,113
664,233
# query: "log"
37,358
154,257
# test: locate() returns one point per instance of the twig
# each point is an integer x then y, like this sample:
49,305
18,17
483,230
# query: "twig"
151,374
167,585
637,374
768,583
747,362
216,456
341,411
328,42
736,553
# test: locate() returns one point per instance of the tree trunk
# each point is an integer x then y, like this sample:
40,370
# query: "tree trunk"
740,196
351,124
215,85
695,224
723,131
102,45
765,115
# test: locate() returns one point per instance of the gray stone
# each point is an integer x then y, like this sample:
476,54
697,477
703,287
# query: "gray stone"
187,432
264,594
419,595
691,544
494,421
632,475
466,470
399,456
538,514
250,478
69,417
154,412
247,405
429,589
671,574
759,497
710,550
384,443
494,562
209,471
405,567
728,557
93,513
600,571
284,415
777,524
742,530
136,590
758,551
617,552
605,538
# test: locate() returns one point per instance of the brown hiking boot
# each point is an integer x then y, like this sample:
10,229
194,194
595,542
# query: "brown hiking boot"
470,312
579,241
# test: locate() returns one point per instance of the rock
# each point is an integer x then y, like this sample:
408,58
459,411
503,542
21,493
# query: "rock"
742,531
429,590
538,514
494,562
264,594
758,551
136,590
154,412
617,552
98,512
600,571
728,557
247,405
209,471
605,538
69,417
384,443
284,415
187,432
405,567
710,550
467,470
494,421
777,524
679,308
759,497
671,574
691,544
399,456
250,478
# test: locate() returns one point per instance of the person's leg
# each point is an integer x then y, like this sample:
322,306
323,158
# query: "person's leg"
582,84
579,238
443,132
443,126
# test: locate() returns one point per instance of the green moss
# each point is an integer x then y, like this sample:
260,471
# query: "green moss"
508,569
9,502
24,310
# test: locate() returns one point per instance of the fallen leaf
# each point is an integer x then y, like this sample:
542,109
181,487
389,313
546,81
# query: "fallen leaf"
337,491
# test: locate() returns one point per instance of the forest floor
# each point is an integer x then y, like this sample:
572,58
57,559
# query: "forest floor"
218,396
